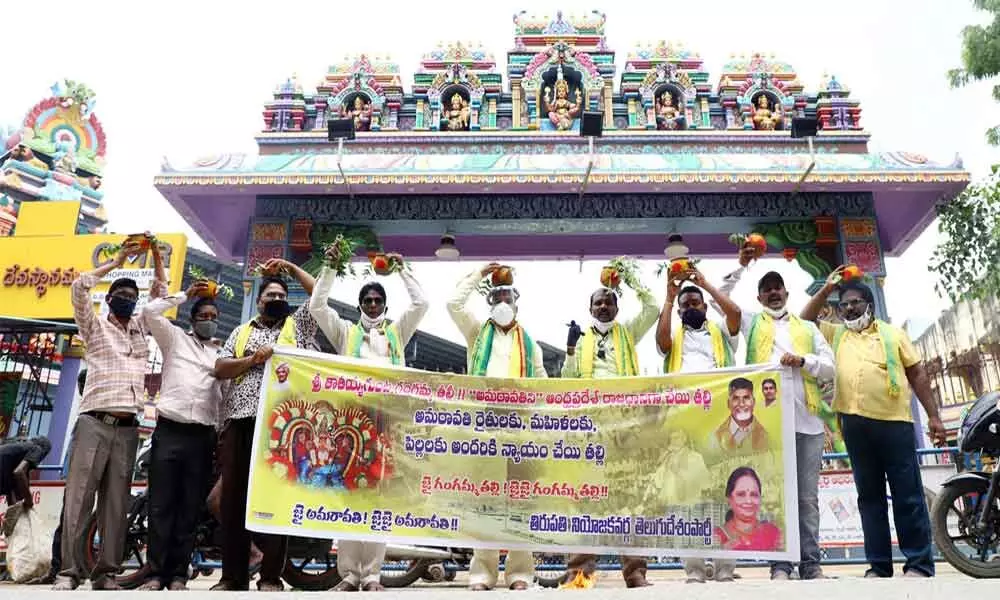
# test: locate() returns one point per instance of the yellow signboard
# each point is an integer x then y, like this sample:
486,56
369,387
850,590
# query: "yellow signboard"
37,271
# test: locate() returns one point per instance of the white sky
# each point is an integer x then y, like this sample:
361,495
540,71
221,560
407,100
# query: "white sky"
189,78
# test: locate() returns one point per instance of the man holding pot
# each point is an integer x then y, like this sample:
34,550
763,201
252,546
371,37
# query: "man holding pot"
242,359
184,440
377,339
608,351
498,347
105,437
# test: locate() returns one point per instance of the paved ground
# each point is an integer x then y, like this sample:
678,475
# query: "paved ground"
754,586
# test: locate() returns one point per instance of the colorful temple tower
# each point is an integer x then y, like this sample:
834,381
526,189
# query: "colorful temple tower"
501,167
456,88
56,154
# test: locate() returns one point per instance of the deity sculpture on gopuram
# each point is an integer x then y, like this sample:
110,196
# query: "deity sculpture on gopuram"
359,109
456,116
552,83
667,115
764,118
665,88
759,93
456,88
562,111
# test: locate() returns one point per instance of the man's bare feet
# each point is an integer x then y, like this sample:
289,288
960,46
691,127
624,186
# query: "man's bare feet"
373,586
519,586
479,587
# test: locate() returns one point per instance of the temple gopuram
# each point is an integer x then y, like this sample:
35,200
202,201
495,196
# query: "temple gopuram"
491,158
56,154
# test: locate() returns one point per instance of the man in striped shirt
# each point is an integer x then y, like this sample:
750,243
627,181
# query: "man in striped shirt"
105,437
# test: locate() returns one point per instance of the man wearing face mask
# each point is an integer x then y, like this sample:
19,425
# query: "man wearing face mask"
608,351
187,412
377,339
500,347
242,359
105,437
775,336
699,345
877,367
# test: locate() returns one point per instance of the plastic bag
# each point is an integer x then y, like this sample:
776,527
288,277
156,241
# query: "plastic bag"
29,548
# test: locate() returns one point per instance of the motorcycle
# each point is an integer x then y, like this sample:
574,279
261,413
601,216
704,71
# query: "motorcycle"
311,564
965,517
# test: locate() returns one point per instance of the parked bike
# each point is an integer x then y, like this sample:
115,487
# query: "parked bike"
966,514
311,564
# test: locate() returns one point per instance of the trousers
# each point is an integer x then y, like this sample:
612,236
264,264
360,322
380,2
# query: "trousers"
179,473
100,464
360,563
881,451
485,568
809,457
237,445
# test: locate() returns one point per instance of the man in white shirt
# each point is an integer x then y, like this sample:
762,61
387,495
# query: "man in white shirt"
498,347
700,345
187,413
377,339
608,350
776,336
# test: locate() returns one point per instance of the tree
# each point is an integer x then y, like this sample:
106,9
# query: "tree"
981,57
967,259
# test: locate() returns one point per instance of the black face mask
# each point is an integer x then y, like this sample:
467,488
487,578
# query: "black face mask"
121,307
277,309
693,318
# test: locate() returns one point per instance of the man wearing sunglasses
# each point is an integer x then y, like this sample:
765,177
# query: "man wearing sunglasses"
187,412
242,359
105,437
377,339
878,371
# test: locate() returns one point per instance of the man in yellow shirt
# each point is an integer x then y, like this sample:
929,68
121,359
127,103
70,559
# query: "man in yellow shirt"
877,367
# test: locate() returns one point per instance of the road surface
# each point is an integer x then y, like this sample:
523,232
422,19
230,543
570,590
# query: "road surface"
847,585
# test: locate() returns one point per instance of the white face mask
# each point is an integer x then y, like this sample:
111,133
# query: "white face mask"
861,323
370,323
602,327
775,314
502,314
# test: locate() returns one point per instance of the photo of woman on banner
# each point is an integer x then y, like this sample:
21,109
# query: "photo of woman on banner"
743,529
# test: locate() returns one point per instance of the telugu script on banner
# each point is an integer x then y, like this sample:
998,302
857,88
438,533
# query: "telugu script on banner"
686,464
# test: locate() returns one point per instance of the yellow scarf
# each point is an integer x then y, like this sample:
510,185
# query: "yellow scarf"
760,345
626,360
285,338
720,349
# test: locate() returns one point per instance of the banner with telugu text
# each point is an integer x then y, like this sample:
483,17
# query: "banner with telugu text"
684,465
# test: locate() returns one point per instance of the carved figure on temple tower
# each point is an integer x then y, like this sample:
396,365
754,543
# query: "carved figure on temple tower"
64,159
457,113
360,111
561,110
763,117
667,115
24,154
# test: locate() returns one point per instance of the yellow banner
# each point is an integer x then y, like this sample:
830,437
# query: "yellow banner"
36,271
678,465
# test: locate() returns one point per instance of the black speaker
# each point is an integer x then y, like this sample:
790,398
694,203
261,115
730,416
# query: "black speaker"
803,127
591,123
337,129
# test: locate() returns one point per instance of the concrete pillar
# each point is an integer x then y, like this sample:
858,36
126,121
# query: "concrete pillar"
63,409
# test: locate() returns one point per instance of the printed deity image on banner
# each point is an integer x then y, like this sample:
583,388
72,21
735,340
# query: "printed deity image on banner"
692,463
315,444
